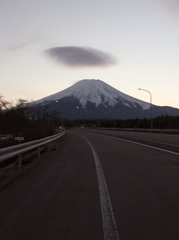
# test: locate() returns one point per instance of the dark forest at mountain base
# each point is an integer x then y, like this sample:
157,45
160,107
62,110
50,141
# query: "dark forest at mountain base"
160,122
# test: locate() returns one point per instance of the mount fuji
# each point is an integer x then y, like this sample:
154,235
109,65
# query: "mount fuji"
96,99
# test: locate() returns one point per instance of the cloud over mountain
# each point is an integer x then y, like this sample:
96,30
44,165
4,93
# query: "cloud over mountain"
72,56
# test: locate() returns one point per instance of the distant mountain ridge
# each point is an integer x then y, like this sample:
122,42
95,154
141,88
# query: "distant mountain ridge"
96,99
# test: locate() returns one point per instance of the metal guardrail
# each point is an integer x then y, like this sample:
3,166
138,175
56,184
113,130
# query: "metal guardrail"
164,131
18,150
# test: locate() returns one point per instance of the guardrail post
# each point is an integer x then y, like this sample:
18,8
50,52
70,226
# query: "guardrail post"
48,147
38,152
19,161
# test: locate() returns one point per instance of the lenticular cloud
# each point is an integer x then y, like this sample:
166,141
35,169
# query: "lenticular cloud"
80,57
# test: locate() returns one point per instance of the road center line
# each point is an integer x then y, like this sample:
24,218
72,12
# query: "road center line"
109,223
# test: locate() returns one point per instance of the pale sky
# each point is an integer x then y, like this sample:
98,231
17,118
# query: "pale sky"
128,44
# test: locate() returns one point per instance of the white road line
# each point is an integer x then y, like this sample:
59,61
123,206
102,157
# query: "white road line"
109,223
161,149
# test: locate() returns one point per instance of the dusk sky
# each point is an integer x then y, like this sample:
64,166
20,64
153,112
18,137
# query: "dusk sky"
48,45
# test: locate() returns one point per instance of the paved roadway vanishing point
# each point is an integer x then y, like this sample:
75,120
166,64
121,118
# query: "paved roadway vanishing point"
97,186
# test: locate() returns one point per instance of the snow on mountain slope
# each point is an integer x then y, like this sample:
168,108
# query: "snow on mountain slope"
97,92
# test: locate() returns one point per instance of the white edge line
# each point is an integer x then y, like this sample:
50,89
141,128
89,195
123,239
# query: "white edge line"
161,149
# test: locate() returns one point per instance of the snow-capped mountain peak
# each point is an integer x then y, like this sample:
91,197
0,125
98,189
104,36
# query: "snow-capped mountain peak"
97,92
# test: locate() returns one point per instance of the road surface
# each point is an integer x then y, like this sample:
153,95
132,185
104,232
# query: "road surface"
97,187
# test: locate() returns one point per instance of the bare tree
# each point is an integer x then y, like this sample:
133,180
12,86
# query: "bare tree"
4,105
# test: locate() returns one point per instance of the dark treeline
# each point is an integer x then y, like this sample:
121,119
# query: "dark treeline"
23,120
161,122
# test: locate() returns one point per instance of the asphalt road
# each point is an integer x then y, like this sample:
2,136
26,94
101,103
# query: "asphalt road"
97,187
